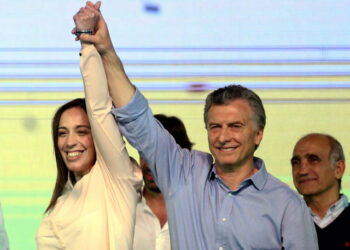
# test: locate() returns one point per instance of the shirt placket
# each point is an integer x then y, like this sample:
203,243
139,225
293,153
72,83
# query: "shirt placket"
224,222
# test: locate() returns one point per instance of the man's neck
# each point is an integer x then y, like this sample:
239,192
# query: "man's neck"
156,202
319,204
234,175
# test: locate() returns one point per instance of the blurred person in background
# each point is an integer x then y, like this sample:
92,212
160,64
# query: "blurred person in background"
4,242
151,229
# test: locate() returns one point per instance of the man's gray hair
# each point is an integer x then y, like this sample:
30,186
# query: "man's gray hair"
336,153
223,96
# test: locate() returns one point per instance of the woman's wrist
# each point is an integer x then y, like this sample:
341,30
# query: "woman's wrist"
84,44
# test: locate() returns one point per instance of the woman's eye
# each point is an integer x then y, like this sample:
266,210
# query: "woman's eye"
61,133
82,132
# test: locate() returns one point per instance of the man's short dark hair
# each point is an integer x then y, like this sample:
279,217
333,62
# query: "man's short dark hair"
223,96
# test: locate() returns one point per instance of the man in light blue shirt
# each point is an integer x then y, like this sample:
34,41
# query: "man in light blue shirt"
225,200
210,206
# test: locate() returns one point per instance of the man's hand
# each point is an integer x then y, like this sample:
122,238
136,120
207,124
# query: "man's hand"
90,18
86,19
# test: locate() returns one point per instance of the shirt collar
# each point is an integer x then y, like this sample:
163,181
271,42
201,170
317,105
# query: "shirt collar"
258,179
143,203
332,213
70,179
69,184
339,205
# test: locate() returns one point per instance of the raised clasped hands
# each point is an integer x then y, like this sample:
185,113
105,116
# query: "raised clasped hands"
89,18
86,18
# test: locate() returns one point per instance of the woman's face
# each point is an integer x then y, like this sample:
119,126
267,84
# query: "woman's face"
75,141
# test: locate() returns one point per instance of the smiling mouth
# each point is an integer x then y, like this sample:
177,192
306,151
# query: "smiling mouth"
306,180
227,149
73,155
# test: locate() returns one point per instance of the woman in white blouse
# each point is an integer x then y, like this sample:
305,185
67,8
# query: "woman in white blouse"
94,199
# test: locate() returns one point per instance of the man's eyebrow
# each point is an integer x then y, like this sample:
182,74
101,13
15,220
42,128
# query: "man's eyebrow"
213,123
237,122
295,158
313,155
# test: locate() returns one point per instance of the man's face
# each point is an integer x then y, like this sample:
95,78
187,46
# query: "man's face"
231,134
148,177
311,167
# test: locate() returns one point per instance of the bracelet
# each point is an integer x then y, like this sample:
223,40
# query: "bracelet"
79,32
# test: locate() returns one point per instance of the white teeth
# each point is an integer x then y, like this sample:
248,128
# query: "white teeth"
227,149
73,154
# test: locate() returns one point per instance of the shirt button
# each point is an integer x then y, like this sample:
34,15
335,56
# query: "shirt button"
223,219
221,248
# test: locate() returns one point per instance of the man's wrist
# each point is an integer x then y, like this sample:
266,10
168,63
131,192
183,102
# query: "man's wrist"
110,56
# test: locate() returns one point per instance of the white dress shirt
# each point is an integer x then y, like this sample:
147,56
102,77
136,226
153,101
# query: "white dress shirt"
148,233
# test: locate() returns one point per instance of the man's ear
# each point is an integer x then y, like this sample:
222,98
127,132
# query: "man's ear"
339,169
259,136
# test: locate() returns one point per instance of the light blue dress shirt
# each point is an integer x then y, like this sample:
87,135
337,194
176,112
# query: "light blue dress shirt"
203,213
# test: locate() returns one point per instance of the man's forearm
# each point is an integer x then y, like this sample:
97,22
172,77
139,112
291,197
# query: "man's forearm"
120,87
